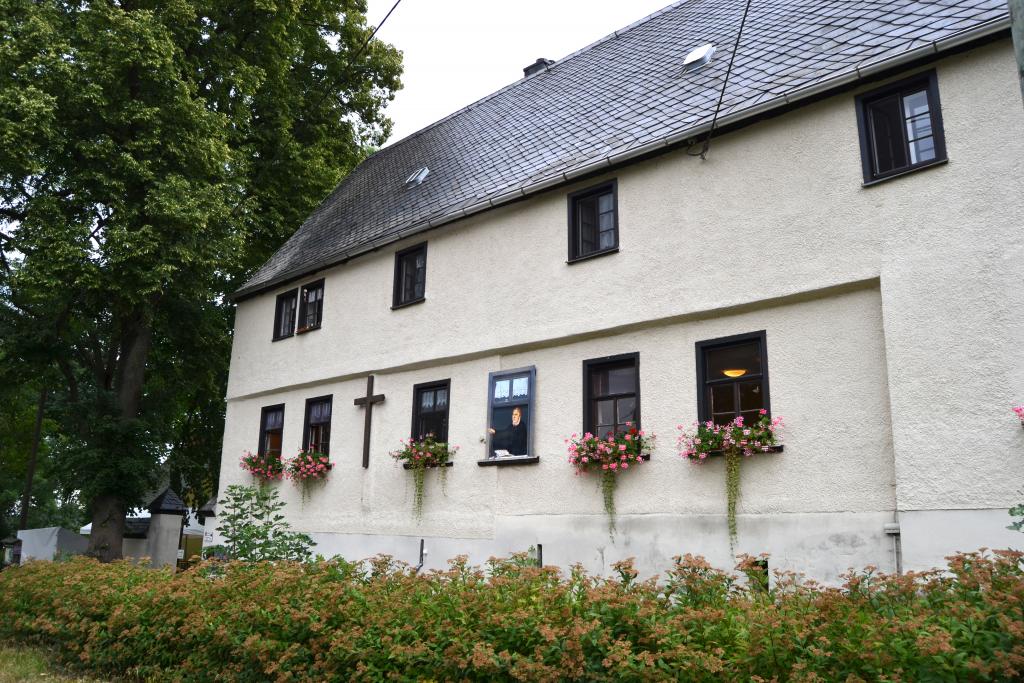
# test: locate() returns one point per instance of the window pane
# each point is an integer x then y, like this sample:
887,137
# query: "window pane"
272,443
622,380
607,239
751,396
886,123
922,150
915,104
604,203
320,412
520,387
501,390
440,399
606,412
919,127
750,416
273,419
606,221
427,400
722,400
510,425
586,222
734,361
626,408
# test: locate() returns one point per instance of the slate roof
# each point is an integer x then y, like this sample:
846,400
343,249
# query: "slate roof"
168,502
621,97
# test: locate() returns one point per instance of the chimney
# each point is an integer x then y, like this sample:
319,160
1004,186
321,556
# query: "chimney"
537,66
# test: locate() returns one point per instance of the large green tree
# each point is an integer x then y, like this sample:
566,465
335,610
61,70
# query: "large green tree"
151,155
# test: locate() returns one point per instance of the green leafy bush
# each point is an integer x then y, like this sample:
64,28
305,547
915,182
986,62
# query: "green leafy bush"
377,620
253,527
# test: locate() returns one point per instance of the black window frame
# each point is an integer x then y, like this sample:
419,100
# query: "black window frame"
701,349
294,294
328,398
589,402
574,199
261,447
397,300
928,80
492,379
300,314
430,386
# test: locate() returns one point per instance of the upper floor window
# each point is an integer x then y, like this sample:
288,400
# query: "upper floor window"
901,127
311,306
410,275
593,221
316,433
430,410
271,430
284,314
511,403
611,394
732,378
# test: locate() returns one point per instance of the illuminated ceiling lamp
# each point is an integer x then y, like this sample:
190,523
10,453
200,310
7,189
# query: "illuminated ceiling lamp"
737,372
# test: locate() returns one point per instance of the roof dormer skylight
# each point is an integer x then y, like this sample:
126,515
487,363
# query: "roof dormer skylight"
698,57
417,177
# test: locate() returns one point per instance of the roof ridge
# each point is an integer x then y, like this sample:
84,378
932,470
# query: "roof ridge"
472,105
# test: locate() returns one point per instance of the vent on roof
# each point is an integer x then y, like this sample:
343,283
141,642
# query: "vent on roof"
537,66
698,57
417,177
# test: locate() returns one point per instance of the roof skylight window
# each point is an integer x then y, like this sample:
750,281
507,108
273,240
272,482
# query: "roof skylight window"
417,177
698,57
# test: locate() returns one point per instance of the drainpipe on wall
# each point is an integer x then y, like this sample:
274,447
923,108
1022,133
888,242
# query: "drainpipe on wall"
1017,29
893,529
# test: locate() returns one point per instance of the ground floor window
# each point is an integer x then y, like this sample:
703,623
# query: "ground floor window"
271,430
611,393
317,430
732,378
430,410
510,413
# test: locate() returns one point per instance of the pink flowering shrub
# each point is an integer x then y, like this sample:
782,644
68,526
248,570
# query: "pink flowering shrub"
615,453
308,466
1020,412
707,437
419,455
265,467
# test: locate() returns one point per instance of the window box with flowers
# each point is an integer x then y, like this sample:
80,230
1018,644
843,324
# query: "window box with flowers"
734,440
611,457
265,467
308,467
420,455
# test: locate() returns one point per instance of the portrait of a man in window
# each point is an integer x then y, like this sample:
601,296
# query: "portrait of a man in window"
509,426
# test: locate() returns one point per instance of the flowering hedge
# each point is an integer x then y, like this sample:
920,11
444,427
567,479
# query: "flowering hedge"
338,621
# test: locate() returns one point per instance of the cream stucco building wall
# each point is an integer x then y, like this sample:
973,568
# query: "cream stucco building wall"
893,328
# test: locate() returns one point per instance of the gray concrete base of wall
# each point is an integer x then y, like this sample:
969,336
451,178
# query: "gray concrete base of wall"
822,546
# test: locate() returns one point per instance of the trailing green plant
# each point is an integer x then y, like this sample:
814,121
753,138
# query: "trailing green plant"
733,440
611,456
379,620
254,529
420,455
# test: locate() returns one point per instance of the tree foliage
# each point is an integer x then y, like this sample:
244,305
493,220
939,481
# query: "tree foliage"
151,155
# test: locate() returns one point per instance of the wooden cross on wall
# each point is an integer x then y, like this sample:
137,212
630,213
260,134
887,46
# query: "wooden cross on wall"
367,402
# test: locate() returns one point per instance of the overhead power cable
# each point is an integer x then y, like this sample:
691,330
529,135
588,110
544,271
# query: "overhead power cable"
721,95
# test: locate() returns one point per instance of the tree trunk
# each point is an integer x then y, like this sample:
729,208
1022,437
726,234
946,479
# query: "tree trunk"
33,457
107,534
108,510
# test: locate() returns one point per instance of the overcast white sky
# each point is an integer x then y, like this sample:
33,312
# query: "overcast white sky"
457,51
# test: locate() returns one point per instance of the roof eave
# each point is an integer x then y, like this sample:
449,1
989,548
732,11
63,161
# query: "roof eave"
798,96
